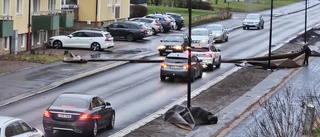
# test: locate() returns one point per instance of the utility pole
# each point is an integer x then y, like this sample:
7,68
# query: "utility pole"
29,27
305,23
270,36
189,57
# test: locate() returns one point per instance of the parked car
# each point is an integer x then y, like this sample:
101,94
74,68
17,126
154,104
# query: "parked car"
219,32
180,21
16,127
173,43
164,20
86,38
155,24
79,113
149,28
253,20
172,19
208,53
201,35
175,65
129,30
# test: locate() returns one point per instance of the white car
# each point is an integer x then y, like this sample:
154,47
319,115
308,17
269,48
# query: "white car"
93,39
16,127
201,35
208,53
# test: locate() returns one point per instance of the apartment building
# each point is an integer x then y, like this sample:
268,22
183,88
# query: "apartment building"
14,19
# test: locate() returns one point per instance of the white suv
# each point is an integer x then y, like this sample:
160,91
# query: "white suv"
208,53
93,39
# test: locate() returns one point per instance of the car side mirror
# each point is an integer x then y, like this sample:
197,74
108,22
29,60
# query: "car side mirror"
161,40
108,104
34,129
219,50
70,36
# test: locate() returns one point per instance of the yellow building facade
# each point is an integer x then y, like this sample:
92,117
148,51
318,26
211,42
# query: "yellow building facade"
14,22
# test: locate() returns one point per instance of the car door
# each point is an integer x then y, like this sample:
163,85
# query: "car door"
113,30
99,107
73,40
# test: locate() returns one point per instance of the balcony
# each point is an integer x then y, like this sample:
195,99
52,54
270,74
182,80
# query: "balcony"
6,26
67,18
45,21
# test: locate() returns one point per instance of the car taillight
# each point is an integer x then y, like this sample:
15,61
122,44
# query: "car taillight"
142,30
217,54
157,24
185,66
84,116
46,113
207,55
96,116
163,65
107,39
186,52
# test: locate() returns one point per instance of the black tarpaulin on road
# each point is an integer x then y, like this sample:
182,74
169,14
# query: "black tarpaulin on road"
187,119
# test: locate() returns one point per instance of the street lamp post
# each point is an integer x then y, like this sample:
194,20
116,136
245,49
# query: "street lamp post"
29,26
189,58
270,36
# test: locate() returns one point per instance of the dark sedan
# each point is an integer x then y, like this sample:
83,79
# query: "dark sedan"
176,65
129,30
79,113
173,43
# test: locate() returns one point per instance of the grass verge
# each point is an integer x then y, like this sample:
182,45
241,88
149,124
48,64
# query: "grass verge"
35,58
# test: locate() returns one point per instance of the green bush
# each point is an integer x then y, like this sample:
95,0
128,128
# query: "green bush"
138,11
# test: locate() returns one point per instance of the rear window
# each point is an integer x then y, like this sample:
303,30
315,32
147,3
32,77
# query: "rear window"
108,35
176,60
202,49
70,102
97,35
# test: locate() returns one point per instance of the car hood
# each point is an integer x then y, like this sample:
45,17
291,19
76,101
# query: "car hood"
216,32
58,37
171,43
250,20
195,37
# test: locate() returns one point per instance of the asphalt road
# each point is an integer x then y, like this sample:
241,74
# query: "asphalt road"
135,90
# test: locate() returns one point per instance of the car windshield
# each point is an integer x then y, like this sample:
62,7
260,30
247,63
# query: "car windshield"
215,28
176,60
71,102
252,16
202,49
199,32
173,39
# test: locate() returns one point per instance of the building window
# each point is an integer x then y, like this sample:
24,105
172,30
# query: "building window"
51,5
117,2
109,3
36,5
39,37
23,40
19,7
6,7
6,43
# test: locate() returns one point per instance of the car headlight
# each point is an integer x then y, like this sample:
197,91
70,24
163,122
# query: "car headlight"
161,47
178,47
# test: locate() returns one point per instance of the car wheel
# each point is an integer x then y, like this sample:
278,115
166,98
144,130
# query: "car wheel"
163,78
210,67
193,77
247,27
48,132
179,28
200,75
130,37
162,30
95,46
219,64
160,53
244,28
154,32
94,131
227,38
262,26
57,44
112,121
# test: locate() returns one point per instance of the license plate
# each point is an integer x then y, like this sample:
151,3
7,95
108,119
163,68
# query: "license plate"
64,116
169,50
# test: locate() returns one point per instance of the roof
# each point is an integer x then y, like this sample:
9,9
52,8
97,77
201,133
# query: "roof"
77,95
5,119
